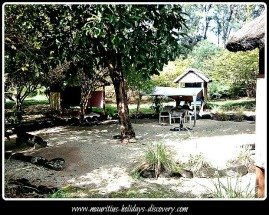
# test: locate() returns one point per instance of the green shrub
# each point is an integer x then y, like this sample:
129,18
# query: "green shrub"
111,110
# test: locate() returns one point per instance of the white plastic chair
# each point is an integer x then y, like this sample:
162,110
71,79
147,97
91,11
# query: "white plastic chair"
165,113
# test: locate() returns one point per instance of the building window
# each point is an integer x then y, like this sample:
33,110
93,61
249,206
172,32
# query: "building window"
193,84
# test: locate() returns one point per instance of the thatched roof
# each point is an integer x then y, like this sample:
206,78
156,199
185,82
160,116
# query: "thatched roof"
249,37
191,75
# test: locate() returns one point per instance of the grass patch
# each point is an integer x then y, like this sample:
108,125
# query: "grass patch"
151,191
233,105
144,110
111,109
75,192
37,100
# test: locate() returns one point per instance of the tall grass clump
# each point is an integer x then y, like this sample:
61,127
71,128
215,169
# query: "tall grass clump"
157,159
219,114
239,114
231,189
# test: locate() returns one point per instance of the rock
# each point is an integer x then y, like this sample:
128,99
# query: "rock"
38,160
133,140
175,175
74,121
166,175
187,173
206,172
109,122
117,136
40,145
250,118
236,171
249,146
206,116
240,170
55,164
148,173
23,188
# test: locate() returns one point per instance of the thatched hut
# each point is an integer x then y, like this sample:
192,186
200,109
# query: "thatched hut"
251,36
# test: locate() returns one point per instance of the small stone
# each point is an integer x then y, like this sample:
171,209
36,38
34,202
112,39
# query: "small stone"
133,140
187,173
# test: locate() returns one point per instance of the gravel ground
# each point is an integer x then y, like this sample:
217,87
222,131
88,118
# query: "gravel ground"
95,160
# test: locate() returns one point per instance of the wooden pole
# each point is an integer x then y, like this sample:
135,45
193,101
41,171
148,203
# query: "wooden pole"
194,105
104,98
261,133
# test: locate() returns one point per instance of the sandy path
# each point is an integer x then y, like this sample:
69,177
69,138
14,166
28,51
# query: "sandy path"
95,160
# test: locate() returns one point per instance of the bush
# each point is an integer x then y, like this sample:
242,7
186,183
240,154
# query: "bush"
110,110
217,90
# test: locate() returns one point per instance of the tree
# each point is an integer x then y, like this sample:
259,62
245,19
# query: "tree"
139,85
202,53
25,50
231,73
22,86
236,71
219,19
231,17
88,82
172,71
132,38
22,75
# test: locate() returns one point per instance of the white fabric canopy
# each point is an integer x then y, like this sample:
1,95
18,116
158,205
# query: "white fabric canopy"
174,92
171,91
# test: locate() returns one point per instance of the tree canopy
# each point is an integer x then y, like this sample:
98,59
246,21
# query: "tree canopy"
232,74
123,38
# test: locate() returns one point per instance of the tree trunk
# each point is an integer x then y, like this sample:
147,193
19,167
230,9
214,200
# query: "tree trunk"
116,74
18,103
138,102
82,110
126,128
138,106
206,20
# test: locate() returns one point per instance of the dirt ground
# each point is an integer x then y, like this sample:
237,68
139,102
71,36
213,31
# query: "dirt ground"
94,160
